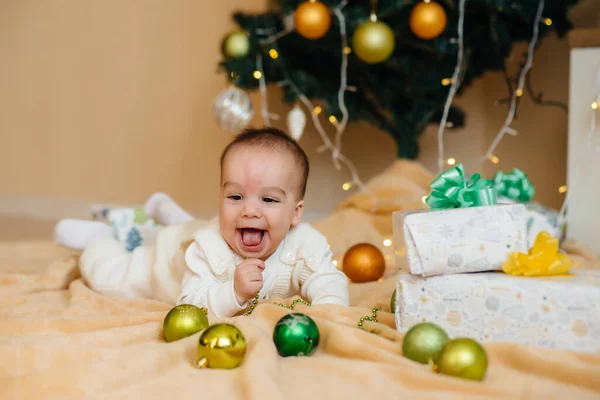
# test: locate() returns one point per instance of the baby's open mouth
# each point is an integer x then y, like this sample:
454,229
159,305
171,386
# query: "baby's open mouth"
252,237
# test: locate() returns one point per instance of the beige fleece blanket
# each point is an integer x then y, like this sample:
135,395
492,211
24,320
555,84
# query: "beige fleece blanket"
61,340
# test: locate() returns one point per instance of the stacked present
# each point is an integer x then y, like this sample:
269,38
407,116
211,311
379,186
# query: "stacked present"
473,270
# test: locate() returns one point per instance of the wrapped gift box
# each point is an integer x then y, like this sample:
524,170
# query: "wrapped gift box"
459,240
554,312
539,218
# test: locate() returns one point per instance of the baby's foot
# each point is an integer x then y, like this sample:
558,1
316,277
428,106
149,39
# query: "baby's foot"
163,209
77,234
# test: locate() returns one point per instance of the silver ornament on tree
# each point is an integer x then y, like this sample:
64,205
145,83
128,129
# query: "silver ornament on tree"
233,109
296,121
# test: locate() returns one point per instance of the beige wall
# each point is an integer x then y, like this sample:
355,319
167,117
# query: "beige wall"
109,101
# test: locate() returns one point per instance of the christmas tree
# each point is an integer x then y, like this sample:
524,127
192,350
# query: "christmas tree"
400,54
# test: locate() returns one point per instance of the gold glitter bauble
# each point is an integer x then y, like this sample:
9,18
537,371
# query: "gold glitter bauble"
184,320
312,19
221,346
363,262
373,42
427,20
463,358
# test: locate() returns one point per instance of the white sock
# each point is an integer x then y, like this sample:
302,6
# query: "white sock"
77,234
163,209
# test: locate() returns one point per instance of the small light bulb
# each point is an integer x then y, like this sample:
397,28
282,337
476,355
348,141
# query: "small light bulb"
424,199
273,53
257,74
446,81
595,105
234,75
387,242
451,161
548,21
519,92
335,262
317,110
494,159
346,186
562,189
332,119
347,50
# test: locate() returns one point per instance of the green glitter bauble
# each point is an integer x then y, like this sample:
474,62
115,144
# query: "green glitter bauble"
296,334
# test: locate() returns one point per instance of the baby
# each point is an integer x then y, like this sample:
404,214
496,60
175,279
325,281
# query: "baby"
257,245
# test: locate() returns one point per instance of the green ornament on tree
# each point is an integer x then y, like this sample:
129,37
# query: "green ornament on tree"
463,358
424,342
236,44
296,334
184,320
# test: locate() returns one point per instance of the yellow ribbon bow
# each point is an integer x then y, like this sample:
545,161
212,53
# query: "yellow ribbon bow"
543,259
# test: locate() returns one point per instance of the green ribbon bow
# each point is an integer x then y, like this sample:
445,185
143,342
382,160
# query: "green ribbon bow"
515,185
452,190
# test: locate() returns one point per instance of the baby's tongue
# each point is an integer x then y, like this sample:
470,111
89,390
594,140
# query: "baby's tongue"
251,237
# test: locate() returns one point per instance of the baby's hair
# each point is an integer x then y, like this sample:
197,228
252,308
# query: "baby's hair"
276,140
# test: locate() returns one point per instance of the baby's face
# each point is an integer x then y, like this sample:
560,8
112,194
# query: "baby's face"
259,200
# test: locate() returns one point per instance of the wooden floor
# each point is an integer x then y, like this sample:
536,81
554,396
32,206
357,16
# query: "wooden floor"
25,228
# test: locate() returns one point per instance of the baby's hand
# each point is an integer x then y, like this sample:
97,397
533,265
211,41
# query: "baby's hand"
248,279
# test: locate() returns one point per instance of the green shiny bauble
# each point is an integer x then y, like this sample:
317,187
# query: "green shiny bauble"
373,42
393,303
296,334
184,320
236,44
221,346
464,358
424,342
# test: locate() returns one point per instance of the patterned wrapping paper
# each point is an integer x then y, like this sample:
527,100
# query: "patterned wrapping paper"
459,240
539,218
561,312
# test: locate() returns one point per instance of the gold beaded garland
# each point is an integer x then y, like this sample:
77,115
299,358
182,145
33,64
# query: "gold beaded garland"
372,318
291,307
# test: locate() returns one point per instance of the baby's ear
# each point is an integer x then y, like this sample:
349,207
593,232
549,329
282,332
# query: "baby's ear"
298,213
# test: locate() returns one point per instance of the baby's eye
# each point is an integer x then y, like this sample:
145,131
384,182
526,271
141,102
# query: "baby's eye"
270,200
235,197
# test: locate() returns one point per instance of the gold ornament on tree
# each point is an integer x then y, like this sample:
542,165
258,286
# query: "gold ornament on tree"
312,19
363,262
236,44
233,109
427,20
373,41
184,320
296,121
221,346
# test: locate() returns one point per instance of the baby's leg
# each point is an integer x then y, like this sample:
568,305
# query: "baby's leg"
78,234
109,269
163,209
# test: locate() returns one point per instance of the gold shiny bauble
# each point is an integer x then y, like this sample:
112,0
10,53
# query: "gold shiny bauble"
373,42
312,19
221,346
184,320
427,20
363,262
463,358
424,342
237,44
